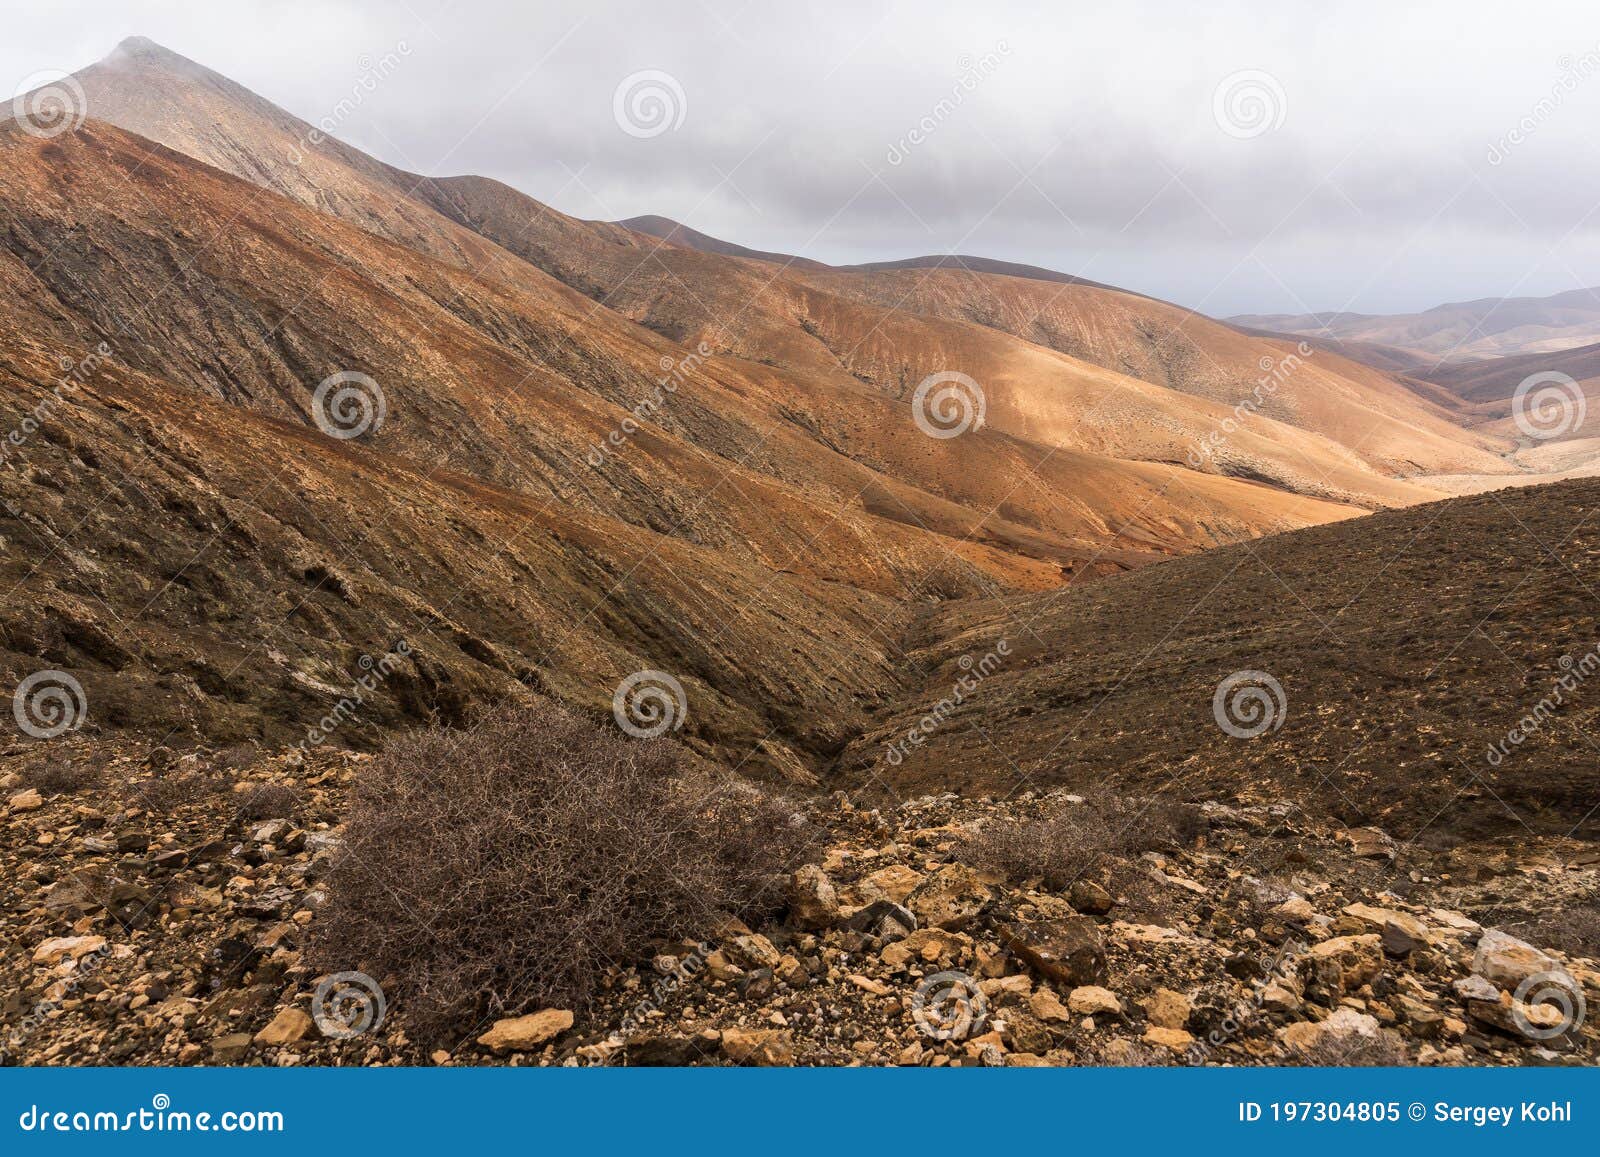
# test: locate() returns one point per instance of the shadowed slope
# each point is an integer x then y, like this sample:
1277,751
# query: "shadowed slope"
1406,644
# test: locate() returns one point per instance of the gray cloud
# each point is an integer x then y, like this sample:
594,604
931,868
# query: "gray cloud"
1441,152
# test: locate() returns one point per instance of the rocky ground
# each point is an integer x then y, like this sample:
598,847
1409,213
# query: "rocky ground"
156,903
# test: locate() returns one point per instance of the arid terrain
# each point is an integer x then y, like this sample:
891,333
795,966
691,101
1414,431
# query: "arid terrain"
1090,681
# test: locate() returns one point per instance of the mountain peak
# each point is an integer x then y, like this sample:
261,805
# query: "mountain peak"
146,53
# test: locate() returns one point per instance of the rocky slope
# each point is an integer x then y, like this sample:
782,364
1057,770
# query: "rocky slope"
156,906
1430,669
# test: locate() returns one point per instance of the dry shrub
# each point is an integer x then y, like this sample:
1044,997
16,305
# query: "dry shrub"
235,758
1070,841
173,790
270,801
504,868
61,777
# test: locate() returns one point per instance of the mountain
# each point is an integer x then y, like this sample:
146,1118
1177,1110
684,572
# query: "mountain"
838,334
1459,332
1496,379
231,261
673,233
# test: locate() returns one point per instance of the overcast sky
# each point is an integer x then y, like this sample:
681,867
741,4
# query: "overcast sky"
1261,157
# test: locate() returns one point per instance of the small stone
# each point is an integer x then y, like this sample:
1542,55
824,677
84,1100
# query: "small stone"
1475,988
1091,1000
1001,986
1279,997
1047,1006
1398,940
884,919
1090,898
951,899
522,1033
230,1048
893,883
1295,910
1167,1009
812,900
1070,951
867,984
1508,961
760,1046
1175,1039
792,972
288,1027
1360,958
26,801
58,948
1341,1025
754,951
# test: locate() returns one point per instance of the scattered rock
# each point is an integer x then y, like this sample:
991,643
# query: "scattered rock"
1166,1008
1092,1000
59,948
764,1047
893,883
1071,951
951,899
231,1048
289,1027
1090,898
812,900
1508,961
26,801
523,1033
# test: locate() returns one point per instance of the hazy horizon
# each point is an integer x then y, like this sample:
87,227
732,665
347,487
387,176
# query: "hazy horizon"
1306,161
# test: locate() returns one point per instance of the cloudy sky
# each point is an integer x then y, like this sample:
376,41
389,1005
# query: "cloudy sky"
1250,157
